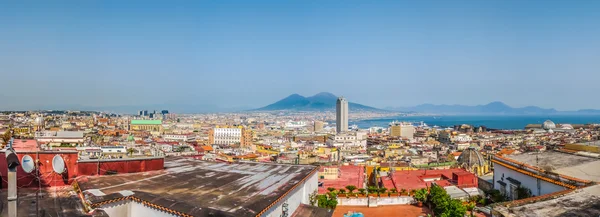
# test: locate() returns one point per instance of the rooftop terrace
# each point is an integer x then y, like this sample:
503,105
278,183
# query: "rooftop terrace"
581,202
200,188
580,167
348,175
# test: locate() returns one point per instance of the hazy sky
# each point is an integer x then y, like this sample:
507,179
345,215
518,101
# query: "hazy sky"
252,53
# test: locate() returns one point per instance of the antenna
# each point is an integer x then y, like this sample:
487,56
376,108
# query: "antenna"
58,164
27,164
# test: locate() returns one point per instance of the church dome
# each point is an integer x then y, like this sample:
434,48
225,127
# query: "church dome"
566,126
471,157
547,125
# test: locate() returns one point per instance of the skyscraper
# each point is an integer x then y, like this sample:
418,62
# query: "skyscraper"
341,115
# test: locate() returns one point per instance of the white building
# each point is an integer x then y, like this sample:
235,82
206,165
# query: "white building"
226,136
113,149
462,141
180,137
514,171
58,138
354,140
341,115
295,124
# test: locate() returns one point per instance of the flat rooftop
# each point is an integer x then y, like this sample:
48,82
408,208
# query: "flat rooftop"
201,188
582,202
573,165
415,179
56,202
348,175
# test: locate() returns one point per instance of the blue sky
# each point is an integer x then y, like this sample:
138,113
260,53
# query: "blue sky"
252,53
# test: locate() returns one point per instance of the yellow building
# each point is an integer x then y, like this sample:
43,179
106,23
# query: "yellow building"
593,147
146,125
265,149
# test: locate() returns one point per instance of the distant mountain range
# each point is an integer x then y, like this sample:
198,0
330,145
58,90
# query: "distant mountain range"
320,102
493,108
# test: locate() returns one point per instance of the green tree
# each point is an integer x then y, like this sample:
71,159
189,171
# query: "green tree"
342,191
351,188
393,190
314,198
421,195
454,208
443,205
330,189
523,192
496,196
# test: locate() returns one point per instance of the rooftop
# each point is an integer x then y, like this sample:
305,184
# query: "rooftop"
348,175
146,122
25,145
577,166
414,179
581,202
312,211
200,188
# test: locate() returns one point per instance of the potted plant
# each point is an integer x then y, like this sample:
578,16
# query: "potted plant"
373,191
351,188
383,191
330,189
342,192
412,192
362,191
393,192
403,191
420,196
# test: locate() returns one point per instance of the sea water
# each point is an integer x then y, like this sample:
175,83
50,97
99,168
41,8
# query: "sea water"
509,122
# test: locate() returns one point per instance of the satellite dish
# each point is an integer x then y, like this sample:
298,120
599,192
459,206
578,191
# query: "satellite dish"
27,163
58,164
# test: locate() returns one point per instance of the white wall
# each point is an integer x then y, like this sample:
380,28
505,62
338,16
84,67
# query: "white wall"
134,209
295,197
139,210
526,181
380,201
119,210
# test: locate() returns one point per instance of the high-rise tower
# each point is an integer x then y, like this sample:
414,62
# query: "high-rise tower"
341,115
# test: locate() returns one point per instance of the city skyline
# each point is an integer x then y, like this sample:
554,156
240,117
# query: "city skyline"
246,55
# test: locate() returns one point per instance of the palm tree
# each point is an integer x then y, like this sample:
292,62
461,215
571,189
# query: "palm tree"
130,151
6,137
330,189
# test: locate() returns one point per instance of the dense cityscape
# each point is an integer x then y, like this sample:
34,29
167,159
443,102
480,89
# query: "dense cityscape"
290,163
269,108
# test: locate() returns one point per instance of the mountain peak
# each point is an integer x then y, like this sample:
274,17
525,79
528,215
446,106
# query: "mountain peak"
325,95
319,102
496,103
